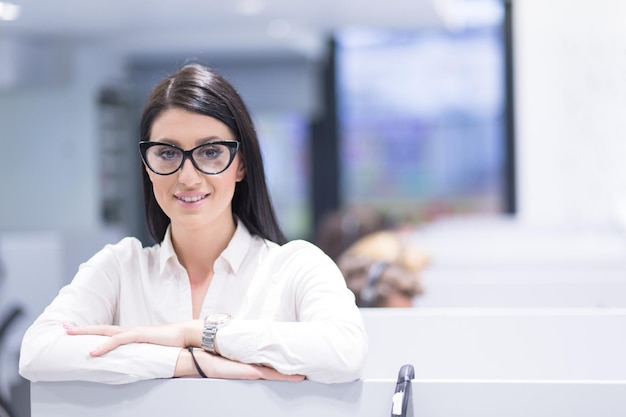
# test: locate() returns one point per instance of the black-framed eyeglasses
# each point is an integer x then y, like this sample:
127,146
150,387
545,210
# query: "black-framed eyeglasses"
210,158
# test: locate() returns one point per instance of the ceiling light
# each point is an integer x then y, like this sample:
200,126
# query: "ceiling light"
9,11
461,14
250,7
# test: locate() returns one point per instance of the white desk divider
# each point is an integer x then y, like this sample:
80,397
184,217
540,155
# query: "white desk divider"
196,397
511,344
518,398
366,398
537,286
503,262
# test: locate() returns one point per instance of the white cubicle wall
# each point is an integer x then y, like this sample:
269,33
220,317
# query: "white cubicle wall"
498,344
524,286
501,262
366,398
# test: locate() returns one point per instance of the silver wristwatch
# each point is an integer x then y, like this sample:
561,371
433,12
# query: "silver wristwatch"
212,323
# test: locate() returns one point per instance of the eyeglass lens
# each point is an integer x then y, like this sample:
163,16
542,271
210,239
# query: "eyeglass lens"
210,158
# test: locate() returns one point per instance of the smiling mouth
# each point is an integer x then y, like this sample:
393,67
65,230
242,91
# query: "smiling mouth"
192,199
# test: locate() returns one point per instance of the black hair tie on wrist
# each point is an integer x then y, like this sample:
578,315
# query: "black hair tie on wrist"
195,362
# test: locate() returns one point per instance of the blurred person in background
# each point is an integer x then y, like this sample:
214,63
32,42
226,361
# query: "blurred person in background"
380,265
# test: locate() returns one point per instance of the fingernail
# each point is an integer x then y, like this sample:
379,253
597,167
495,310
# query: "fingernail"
68,326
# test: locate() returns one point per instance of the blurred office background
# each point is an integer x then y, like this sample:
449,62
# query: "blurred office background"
495,128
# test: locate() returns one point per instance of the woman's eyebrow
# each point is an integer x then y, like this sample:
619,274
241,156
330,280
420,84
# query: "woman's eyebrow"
197,142
166,140
209,139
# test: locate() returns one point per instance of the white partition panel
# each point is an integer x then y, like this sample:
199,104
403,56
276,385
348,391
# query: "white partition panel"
367,398
510,344
211,397
502,262
524,286
518,399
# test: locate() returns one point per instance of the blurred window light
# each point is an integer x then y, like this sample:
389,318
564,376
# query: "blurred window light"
421,118
463,14
9,11
250,7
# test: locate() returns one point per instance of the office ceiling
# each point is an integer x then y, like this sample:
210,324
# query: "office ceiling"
233,26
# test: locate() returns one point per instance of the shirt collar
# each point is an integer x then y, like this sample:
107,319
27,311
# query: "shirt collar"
167,250
234,253
238,246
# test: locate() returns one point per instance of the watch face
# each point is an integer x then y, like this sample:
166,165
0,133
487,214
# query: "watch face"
217,318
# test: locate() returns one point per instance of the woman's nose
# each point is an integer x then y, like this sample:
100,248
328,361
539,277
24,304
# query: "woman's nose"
188,174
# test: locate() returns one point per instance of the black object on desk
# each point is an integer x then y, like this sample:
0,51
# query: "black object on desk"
403,391
5,322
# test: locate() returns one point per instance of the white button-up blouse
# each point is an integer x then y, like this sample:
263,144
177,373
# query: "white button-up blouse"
290,304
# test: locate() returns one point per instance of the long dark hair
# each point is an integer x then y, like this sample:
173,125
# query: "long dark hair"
199,89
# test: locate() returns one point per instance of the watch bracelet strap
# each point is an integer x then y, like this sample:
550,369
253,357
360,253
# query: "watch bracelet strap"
208,340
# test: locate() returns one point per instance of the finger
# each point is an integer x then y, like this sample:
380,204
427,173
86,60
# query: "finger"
293,378
273,374
101,330
104,348
114,342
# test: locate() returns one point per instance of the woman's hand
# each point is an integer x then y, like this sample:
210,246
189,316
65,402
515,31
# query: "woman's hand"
215,366
180,334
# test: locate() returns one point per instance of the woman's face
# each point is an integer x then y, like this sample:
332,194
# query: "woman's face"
188,197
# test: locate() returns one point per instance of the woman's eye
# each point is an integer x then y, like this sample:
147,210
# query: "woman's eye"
210,152
168,153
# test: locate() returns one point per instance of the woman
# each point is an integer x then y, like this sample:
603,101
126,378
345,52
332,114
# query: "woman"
221,295
380,264
383,270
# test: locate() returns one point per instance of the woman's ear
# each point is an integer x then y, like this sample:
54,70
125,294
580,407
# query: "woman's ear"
241,170
148,171
149,174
